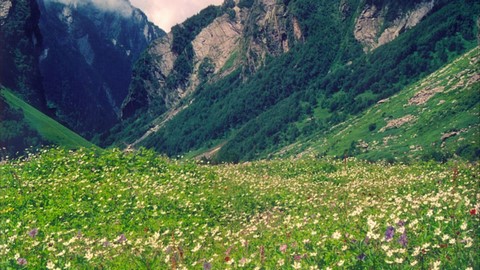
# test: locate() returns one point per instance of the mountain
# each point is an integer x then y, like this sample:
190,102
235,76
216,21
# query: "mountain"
244,80
24,126
21,42
434,118
88,52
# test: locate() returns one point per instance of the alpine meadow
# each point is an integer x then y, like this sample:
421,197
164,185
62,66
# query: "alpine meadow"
256,134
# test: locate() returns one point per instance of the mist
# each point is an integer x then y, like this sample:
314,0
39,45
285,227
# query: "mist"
121,6
167,13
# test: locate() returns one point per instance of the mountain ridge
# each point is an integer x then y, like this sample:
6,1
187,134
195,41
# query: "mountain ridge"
257,108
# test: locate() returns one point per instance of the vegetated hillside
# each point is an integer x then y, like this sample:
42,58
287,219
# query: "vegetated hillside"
373,50
437,117
87,58
22,126
117,210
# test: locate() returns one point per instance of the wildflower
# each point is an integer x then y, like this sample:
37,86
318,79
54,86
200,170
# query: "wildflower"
22,261
403,240
336,235
50,265
389,233
196,248
33,233
207,266
414,263
436,265
281,262
361,257
401,223
473,211
399,260
121,238
297,265
341,262
463,226
283,248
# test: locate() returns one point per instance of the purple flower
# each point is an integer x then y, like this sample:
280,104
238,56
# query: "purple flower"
33,233
403,239
207,266
22,261
361,257
297,257
389,233
106,244
401,223
121,238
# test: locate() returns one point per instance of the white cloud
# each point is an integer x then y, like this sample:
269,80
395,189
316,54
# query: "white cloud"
167,13
121,6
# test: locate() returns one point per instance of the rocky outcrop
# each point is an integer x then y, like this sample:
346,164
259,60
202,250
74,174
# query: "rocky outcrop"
396,123
5,6
372,19
20,44
367,27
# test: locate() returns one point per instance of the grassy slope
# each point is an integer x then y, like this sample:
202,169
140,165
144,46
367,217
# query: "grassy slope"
116,210
48,128
455,108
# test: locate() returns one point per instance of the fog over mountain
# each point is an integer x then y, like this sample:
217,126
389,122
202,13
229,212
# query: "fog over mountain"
166,13
121,6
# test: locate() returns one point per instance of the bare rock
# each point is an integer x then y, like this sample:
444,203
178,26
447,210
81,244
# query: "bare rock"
396,123
5,6
371,20
422,96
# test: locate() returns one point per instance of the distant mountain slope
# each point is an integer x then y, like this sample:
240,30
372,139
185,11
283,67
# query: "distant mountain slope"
434,118
287,70
50,131
20,45
87,58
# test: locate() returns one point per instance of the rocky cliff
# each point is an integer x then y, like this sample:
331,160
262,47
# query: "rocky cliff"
239,35
373,29
21,43
87,57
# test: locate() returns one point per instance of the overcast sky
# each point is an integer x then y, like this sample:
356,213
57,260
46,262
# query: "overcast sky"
167,13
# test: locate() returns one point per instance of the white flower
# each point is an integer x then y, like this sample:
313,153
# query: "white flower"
50,265
196,248
399,260
281,262
463,226
341,262
436,265
336,235
413,263
297,265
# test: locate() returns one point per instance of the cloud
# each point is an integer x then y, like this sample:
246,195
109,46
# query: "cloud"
121,6
167,13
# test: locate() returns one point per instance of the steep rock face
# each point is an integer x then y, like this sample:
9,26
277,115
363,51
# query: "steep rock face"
86,62
20,45
369,25
239,35
4,9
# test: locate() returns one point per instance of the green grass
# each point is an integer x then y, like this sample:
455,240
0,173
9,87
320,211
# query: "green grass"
48,128
114,210
455,108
